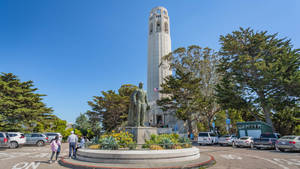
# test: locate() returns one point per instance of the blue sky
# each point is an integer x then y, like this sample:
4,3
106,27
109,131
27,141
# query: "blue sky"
73,49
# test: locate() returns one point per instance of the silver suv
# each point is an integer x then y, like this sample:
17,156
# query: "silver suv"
207,138
38,139
4,140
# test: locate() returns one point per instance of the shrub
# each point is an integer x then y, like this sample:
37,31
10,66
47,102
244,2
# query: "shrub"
95,146
132,146
123,138
186,143
109,143
176,147
155,147
166,143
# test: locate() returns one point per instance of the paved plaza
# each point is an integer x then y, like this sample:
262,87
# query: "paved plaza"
31,157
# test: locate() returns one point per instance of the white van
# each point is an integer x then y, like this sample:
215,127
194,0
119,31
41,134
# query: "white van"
207,138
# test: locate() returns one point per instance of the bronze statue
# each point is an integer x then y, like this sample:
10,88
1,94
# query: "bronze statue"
138,107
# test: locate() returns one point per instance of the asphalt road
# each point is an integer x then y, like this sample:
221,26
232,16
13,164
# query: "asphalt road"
246,158
31,157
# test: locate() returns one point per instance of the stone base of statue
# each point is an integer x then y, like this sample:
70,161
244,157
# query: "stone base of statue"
141,133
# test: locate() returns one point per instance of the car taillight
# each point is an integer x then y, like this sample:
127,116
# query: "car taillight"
5,140
292,142
227,138
247,141
46,138
22,137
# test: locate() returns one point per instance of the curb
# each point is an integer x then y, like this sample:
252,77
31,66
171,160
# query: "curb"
207,163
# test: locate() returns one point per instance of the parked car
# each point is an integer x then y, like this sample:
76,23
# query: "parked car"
288,143
226,140
207,138
4,139
38,139
266,140
245,141
51,136
16,139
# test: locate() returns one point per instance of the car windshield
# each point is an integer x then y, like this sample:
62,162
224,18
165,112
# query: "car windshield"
288,137
203,134
212,135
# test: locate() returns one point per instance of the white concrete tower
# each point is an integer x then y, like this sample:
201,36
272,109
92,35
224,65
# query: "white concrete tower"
159,44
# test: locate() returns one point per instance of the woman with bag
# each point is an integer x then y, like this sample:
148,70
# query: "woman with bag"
55,148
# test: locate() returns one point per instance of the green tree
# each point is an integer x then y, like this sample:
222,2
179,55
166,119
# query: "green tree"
287,120
261,69
58,125
82,124
111,109
190,92
21,108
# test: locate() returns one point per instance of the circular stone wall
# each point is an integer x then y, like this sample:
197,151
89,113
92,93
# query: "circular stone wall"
138,156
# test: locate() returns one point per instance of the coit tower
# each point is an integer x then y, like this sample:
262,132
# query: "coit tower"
159,44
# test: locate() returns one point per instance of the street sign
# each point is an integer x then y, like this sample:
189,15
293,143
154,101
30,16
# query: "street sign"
227,121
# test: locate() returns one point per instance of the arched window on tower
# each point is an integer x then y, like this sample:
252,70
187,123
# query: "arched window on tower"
166,27
151,28
158,27
158,11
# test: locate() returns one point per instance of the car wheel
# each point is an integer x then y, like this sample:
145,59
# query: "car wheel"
200,144
258,148
13,145
221,144
40,143
281,149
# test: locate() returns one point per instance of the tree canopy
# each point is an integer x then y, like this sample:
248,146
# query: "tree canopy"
190,91
260,72
111,109
21,107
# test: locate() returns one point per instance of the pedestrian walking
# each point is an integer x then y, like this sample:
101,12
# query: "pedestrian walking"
55,146
82,142
72,140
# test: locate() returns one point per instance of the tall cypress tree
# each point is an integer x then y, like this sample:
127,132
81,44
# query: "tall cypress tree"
21,108
264,71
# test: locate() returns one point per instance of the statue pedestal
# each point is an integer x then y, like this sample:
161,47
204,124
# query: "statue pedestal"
141,133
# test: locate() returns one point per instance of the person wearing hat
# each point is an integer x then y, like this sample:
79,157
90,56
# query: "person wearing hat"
72,140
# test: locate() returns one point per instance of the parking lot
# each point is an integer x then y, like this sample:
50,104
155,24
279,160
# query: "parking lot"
246,158
32,157
29,157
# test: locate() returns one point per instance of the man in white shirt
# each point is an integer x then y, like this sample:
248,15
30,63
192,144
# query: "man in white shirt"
72,140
